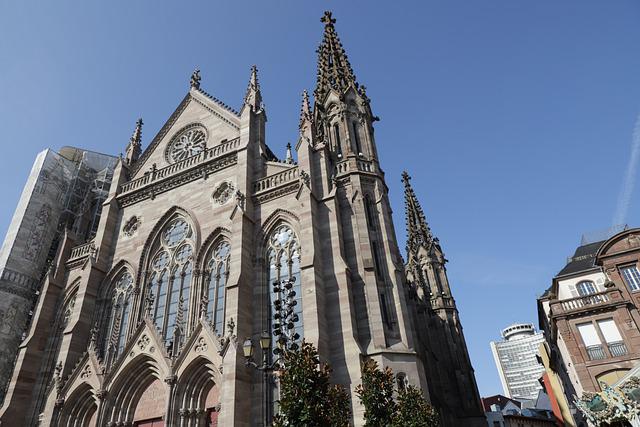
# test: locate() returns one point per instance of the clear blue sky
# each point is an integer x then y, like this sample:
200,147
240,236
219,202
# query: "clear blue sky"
514,117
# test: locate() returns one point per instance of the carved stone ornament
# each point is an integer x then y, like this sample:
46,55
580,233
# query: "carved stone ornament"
131,226
86,372
223,193
143,342
201,346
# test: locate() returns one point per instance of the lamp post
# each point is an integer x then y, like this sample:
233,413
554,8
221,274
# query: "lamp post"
265,367
283,328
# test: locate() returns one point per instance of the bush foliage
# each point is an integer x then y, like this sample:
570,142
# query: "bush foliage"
381,410
307,397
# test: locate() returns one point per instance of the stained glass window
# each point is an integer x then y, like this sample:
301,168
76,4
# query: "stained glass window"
283,255
218,273
119,313
170,278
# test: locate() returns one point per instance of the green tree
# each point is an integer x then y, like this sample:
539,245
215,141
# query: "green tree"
381,410
376,395
413,410
307,397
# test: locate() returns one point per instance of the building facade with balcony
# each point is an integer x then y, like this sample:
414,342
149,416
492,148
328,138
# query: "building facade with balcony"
590,314
516,361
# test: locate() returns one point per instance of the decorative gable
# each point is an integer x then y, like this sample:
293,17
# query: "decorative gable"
199,122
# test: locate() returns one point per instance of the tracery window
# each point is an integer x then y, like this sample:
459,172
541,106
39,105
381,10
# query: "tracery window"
119,313
170,275
283,254
217,273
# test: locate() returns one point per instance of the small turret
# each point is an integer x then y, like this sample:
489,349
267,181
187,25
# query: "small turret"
253,98
288,156
134,148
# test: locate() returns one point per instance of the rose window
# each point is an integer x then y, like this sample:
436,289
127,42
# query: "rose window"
187,144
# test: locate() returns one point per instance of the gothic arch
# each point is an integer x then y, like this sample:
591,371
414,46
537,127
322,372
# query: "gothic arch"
193,387
213,262
113,314
128,386
276,217
174,211
115,270
208,244
79,408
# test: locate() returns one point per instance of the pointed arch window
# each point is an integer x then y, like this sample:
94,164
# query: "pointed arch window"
217,274
336,133
119,312
170,275
356,138
283,254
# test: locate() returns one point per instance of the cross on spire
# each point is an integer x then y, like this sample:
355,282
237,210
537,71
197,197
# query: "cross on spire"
334,70
418,231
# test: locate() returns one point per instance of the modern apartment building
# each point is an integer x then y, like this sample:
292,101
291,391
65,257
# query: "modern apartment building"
515,358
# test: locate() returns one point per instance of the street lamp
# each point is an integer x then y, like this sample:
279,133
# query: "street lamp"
284,331
265,367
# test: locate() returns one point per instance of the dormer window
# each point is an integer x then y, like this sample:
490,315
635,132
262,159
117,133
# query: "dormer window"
631,276
586,287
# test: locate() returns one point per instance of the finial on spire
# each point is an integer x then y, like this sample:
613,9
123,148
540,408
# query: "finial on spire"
137,133
305,110
418,231
195,79
134,148
253,98
288,157
328,19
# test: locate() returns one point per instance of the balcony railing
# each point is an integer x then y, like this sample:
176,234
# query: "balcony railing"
82,251
276,180
202,157
584,301
617,348
596,352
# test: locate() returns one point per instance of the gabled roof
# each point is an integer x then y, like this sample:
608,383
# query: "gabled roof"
582,260
221,110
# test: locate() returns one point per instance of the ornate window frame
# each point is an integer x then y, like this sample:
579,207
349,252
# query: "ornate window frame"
168,155
170,275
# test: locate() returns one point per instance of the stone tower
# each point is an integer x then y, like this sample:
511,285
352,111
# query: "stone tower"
442,346
143,323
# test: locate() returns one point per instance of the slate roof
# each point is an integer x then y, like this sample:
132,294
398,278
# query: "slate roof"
583,259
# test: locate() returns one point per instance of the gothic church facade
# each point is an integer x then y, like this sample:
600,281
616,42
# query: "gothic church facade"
144,323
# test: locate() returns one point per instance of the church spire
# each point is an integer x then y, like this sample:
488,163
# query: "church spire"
334,70
134,148
418,231
253,98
